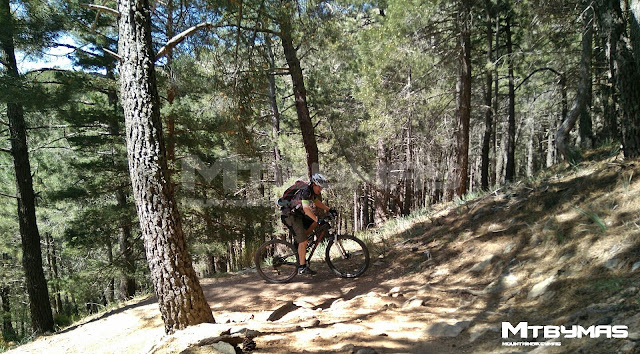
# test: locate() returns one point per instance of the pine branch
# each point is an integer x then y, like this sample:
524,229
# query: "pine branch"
181,37
8,195
8,151
101,8
186,33
115,55
536,71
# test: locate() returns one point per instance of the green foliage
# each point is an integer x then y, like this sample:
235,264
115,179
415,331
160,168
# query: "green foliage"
608,285
380,79
594,218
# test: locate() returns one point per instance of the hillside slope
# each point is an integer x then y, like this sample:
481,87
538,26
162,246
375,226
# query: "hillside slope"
563,250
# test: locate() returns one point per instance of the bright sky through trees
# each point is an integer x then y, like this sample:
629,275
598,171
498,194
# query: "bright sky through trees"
53,58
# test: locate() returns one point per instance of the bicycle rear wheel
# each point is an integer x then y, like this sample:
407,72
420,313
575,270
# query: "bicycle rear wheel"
347,256
276,261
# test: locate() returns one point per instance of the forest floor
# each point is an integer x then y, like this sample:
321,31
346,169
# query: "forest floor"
563,249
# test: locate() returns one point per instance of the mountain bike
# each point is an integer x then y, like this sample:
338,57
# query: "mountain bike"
347,256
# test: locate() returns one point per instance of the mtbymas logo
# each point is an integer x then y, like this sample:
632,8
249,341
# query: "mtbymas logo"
552,332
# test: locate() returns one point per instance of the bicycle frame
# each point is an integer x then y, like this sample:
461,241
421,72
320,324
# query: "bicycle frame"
276,259
315,241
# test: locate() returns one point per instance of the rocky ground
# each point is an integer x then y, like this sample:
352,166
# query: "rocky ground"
563,250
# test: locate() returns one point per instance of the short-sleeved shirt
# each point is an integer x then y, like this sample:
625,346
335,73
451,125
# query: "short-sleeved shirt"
306,196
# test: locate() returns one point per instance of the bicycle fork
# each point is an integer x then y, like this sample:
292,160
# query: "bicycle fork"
343,253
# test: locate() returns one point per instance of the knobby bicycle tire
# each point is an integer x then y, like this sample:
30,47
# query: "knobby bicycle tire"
276,261
355,260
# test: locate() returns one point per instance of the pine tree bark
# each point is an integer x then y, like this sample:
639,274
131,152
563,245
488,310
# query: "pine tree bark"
408,170
381,203
605,90
7,323
463,99
497,157
488,114
585,126
510,168
39,306
626,71
180,296
52,262
299,91
275,119
569,152
127,279
127,287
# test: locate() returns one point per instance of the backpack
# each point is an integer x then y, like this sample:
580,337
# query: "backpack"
286,202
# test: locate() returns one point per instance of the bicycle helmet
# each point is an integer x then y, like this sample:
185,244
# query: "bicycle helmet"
319,180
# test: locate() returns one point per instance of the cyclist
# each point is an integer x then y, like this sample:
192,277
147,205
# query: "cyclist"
301,219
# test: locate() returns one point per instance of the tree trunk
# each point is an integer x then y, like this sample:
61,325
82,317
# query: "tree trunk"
111,288
495,177
607,99
40,309
299,93
634,29
127,279
488,114
585,128
7,326
408,172
510,169
531,156
625,71
356,213
127,286
366,221
180,296
463,99
275,119
381,203
563,145
172,92
52,263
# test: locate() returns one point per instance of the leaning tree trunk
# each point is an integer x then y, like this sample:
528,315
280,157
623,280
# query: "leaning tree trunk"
40,309
299,93
180,296
565,149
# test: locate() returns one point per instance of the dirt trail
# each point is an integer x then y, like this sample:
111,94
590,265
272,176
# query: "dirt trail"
332,314
565,251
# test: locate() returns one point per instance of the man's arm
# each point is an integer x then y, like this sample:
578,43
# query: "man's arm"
306,209
321,205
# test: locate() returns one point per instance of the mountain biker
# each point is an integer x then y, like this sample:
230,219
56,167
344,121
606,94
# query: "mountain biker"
301,219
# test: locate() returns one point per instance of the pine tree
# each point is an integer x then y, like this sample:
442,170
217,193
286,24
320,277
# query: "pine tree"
37,289
182,302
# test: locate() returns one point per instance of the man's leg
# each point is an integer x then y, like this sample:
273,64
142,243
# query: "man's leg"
302,253
297,225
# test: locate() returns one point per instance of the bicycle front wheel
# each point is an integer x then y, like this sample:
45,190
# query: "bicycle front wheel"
347,256
276,261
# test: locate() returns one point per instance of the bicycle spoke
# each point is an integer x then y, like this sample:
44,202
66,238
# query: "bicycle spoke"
347,256
276,261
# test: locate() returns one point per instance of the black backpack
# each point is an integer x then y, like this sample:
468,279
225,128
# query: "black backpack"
287,202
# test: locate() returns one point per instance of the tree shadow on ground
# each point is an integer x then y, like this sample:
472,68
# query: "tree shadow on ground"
147,301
